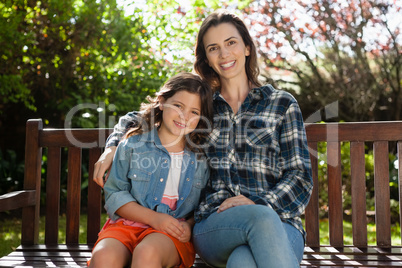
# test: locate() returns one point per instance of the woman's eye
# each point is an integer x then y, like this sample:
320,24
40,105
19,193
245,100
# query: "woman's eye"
196,113
232,42
177,105
212,48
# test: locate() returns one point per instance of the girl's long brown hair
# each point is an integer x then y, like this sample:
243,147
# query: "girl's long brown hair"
151,114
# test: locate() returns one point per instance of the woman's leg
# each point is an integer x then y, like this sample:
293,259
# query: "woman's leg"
259,227
241,257
155,250
296,240
110,252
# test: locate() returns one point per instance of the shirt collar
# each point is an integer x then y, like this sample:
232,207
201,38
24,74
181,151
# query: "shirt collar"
257,93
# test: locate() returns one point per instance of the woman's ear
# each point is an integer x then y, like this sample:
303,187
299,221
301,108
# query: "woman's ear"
247,51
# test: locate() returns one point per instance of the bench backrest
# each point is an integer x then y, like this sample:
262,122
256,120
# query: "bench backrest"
93,140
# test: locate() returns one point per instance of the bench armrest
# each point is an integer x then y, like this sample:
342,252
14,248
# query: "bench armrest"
17,199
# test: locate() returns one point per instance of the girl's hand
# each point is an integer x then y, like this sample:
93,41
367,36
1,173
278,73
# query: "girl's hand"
235,201
186,236
167,224
104,163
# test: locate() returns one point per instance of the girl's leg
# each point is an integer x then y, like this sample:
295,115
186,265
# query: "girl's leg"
155,250
110,252
259,227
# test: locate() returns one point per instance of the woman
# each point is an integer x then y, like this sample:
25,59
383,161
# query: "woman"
260,179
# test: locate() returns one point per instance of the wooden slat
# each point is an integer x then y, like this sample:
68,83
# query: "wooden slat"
355,131
32,181
73,195
381,194
17,199
335,194
52,195
82,138
358,182
312,210
94,199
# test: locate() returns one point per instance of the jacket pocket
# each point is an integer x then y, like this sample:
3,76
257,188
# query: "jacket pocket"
139,175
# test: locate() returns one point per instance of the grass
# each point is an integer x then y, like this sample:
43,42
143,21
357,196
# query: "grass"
10,233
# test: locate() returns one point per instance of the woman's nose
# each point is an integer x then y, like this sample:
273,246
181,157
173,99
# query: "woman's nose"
224,52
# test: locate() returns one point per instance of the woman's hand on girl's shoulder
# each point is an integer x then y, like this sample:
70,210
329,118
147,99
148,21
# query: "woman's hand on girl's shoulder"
104,163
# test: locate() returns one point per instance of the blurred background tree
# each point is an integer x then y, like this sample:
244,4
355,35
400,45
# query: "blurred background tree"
326,51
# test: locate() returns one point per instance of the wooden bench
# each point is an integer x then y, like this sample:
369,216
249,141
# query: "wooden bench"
90,141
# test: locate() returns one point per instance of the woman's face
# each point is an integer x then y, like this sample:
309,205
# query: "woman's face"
226,51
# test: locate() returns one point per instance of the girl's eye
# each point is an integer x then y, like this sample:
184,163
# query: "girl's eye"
196,113
177,105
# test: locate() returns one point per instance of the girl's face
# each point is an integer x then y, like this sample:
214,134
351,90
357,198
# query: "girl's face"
226,51
181,114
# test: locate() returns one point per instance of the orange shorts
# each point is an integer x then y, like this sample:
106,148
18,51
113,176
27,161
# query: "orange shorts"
132,236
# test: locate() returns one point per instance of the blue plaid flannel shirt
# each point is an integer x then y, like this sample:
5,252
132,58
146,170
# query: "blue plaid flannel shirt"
261,152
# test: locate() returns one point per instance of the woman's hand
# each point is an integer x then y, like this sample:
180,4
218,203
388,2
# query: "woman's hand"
167,224
104,163
235,201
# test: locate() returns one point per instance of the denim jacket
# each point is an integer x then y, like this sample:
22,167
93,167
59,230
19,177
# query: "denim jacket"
139,172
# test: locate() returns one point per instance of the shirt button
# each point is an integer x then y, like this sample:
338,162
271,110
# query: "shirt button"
192,162
165,160
135,176
188,179
155,198
181,198
161,180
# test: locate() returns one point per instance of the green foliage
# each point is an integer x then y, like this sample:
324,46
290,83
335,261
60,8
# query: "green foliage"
11,172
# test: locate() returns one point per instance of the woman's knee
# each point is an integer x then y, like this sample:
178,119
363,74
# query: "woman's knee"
262,216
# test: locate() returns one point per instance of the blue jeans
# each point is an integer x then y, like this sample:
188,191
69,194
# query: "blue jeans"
248,236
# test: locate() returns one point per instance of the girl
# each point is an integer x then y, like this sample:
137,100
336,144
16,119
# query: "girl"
155,181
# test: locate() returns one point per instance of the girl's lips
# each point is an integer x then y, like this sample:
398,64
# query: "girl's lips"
228,65
180,125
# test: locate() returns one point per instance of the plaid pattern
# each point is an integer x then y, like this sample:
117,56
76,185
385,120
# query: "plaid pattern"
125,122
261,152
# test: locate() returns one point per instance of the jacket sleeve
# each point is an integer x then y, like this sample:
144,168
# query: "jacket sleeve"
118,187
